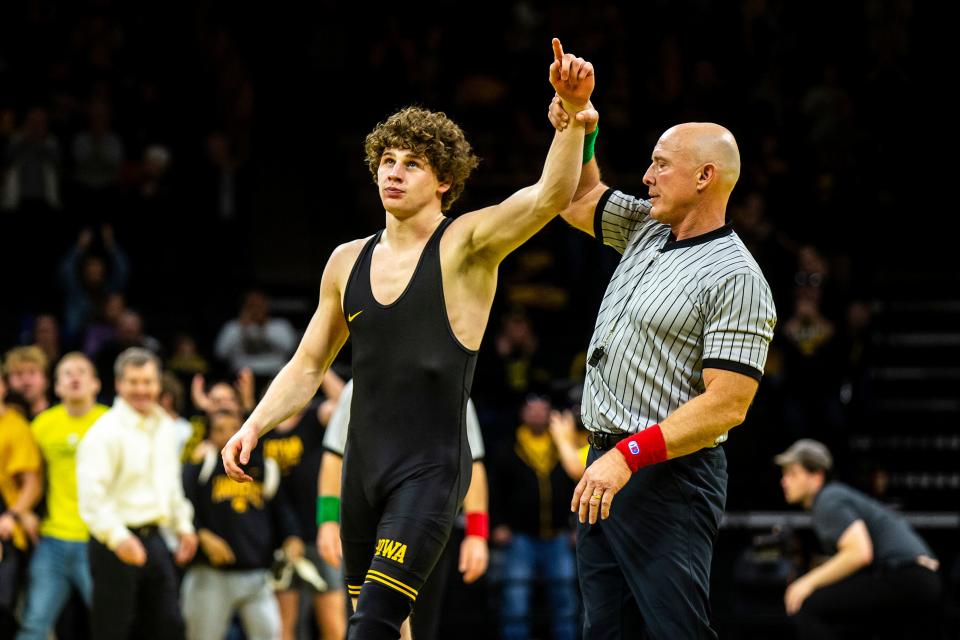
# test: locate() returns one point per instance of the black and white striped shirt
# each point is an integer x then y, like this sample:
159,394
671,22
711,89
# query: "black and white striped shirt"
672,308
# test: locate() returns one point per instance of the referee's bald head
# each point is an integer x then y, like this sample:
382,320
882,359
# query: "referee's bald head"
706,143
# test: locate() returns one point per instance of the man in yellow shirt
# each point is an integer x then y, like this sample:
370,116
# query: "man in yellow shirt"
59,562
19,492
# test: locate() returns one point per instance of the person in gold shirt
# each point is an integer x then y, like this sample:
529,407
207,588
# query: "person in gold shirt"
26,372
59,563
19,491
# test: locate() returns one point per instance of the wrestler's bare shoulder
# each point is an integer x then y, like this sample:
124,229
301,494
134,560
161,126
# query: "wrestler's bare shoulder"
342,258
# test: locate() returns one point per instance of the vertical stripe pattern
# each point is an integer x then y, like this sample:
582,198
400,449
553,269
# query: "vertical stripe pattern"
672,308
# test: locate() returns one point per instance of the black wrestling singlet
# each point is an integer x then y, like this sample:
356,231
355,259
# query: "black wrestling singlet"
407,462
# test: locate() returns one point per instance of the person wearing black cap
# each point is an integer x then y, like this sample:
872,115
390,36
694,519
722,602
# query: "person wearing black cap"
881,572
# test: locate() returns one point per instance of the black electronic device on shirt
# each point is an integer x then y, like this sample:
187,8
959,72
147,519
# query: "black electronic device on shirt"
596,356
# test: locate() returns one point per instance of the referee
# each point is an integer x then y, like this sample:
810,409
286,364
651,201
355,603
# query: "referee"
677,353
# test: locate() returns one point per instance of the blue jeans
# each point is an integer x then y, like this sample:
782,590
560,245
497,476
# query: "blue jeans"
55,568
550,561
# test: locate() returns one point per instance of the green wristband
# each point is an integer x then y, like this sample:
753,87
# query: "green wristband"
588,142
328,509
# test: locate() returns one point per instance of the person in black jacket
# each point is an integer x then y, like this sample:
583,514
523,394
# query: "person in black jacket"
530,514
297,447
238,525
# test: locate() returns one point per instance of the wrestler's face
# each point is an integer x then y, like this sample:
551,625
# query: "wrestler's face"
672,180
407,183
799,485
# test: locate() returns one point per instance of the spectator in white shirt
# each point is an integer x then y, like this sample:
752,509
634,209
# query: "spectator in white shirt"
129,485
256,340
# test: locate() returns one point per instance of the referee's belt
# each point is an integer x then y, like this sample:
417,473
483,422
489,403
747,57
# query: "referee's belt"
604,441
145,530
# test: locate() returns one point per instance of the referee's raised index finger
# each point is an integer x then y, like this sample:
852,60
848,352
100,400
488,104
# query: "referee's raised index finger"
557,49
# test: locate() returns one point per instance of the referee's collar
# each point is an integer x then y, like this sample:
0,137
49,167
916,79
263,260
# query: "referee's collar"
673,243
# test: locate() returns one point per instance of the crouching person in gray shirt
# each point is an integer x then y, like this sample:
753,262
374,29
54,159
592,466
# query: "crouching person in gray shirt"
881,574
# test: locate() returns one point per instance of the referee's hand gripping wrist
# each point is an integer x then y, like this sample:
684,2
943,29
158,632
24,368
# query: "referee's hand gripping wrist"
560,118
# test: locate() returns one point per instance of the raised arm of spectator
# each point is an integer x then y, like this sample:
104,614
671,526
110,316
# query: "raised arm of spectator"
119,263
70,265
198,393
563,431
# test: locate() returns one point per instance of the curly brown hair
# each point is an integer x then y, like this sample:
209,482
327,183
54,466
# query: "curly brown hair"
432,135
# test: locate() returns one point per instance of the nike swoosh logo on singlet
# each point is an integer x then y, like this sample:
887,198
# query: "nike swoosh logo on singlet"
354,315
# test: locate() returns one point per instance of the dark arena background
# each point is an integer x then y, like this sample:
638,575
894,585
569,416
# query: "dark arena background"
159,161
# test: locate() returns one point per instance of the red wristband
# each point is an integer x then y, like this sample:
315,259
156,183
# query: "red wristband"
478,524
644,448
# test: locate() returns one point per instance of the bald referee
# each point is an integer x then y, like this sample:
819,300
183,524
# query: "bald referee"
676,356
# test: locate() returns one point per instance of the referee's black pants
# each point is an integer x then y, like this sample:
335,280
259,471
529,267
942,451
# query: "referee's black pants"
645,570
135,602
902,602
